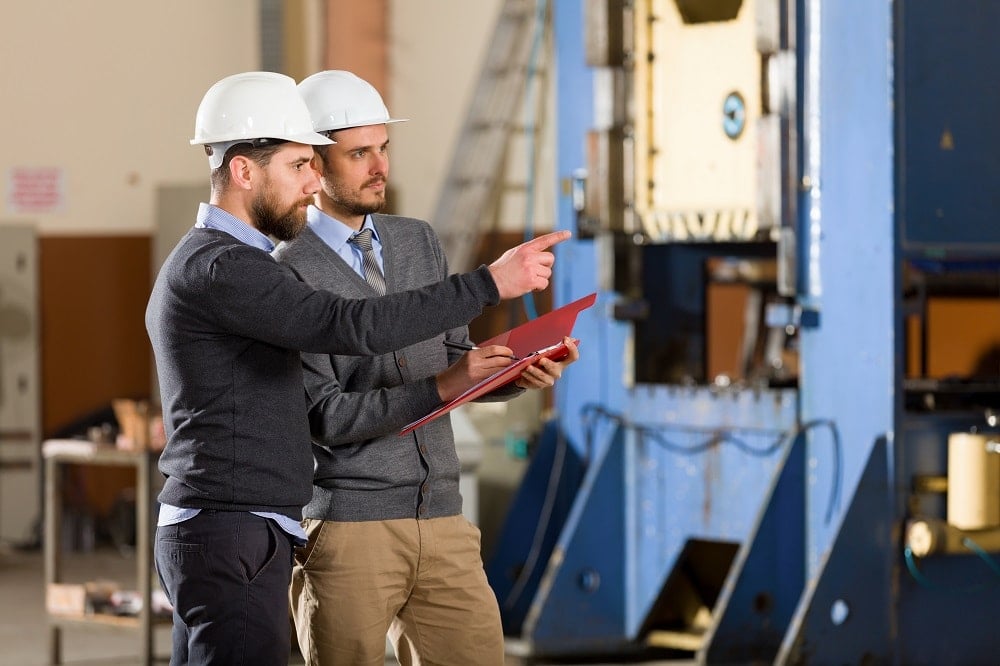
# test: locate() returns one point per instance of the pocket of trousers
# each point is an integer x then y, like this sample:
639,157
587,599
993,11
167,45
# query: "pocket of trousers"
181,566
314,532
257,545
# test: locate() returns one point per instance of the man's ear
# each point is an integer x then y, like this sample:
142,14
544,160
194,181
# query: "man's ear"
317,162
241,170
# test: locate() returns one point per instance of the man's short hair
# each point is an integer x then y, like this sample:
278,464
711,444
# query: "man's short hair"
258,150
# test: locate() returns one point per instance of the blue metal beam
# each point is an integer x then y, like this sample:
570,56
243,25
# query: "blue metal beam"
845,614
850,362
766,580
580,605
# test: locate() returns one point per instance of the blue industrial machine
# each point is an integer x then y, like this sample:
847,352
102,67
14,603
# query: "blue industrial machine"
758,458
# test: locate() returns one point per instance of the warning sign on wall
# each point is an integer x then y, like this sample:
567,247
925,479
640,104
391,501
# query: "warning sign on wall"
33,190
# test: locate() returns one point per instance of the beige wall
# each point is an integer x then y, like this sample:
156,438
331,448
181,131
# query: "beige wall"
435,50
107,92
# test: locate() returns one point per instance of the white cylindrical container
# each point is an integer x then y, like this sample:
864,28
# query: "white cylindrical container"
973,483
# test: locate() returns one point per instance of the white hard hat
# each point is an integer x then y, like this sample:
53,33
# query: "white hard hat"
252,105
338,99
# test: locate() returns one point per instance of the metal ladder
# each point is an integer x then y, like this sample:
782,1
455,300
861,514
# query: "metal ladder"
472,182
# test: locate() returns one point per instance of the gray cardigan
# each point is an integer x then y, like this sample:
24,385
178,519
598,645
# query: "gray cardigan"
364,469
227,322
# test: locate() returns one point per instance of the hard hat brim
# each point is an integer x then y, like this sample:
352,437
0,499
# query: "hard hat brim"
219,148
308,138
363,123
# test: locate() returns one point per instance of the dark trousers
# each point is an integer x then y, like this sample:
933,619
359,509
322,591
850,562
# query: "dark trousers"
227,576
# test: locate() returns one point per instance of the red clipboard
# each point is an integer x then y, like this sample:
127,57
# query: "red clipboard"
540,337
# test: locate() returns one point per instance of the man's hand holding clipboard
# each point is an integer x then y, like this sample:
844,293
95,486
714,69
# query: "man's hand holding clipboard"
546,337
547,365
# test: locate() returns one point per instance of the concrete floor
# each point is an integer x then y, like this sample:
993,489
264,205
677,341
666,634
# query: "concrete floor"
24,636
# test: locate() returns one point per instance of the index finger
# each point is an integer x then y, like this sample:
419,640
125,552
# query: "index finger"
496,350
548,240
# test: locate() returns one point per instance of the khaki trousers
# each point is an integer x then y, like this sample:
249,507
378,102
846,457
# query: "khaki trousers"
421,582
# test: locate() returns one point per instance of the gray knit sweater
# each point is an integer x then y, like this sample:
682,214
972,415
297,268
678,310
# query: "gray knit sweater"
226,322
364,469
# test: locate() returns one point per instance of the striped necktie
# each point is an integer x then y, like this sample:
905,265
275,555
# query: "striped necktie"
363,240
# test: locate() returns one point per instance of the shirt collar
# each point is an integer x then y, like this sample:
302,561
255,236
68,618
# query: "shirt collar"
213,217
332,231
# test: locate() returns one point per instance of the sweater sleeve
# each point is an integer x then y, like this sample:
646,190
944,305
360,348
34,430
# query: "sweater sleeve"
338,417
253,295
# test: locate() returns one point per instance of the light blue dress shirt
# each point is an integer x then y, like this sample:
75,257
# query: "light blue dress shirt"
337,236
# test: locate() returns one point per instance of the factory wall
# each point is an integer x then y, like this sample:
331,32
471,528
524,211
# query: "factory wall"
104,95
100,101
99,109
430,82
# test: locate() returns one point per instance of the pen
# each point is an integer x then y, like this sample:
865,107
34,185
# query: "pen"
459,345
465,347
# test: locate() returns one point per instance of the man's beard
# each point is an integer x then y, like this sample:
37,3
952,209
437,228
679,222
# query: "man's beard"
283,225
351,203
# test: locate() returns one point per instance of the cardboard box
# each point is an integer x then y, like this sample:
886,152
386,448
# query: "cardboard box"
140,425
79,599
64,599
